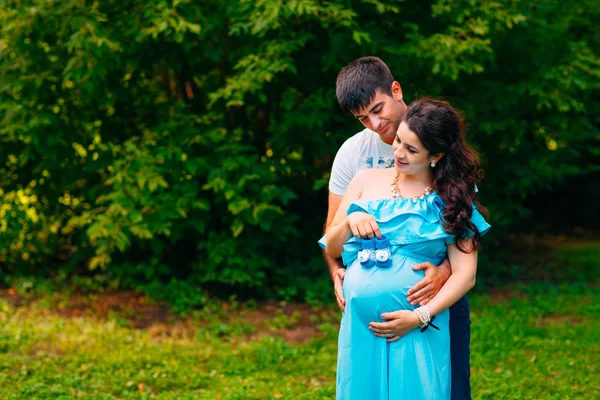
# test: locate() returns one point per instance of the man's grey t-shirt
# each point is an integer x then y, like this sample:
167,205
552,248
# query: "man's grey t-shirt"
361,151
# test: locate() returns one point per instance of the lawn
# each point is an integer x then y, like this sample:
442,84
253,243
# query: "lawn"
533,341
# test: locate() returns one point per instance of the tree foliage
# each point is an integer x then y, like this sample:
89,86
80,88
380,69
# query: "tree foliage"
192,140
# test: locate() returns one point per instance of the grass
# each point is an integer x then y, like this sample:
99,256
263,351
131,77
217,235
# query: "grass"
534,340
541,343
533,343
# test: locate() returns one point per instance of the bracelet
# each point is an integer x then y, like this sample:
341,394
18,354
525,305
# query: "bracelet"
424,314
430,323
421,317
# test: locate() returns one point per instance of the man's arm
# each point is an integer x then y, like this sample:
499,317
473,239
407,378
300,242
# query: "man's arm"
336,269
342,172
332,208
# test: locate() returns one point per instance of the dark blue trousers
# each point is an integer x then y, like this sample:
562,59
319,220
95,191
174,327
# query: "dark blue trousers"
460,341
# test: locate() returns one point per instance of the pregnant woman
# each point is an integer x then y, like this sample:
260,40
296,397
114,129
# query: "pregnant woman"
422,209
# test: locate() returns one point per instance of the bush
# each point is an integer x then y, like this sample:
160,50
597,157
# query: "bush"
193,140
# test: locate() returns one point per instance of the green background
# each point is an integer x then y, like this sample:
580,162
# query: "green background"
184,147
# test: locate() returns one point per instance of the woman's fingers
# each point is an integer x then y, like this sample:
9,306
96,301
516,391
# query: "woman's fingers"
365,226
395,336
361,231
369,230
382,327
375,228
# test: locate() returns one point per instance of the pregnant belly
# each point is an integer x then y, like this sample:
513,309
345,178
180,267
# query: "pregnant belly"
369,292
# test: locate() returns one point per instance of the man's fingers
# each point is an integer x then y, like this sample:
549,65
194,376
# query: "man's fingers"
418,296
340,304
340,294
338,284
421,266
418,286
339,297
418,299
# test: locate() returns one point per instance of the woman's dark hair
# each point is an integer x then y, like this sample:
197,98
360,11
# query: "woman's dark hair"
358,82
440,128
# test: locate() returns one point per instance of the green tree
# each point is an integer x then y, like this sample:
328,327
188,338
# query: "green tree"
192,140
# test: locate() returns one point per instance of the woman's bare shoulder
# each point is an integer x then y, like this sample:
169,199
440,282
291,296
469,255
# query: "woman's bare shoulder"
367,177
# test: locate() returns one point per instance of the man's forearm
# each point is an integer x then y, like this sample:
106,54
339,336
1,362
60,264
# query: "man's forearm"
446,267
332,264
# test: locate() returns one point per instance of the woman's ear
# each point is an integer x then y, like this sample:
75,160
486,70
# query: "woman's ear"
437,158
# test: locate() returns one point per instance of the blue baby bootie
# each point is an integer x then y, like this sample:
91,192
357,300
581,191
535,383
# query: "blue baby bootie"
366,256
383,255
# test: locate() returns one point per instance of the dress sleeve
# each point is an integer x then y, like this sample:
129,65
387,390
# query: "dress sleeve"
342,170
322,242
477,220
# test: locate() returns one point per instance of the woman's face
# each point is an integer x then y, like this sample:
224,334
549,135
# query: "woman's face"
410,156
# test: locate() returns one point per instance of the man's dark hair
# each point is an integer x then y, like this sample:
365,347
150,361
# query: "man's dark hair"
358,82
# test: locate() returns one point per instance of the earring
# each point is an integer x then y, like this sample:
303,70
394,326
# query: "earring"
433,164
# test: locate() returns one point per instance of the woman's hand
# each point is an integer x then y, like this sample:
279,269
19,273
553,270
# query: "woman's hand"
363,225
398,324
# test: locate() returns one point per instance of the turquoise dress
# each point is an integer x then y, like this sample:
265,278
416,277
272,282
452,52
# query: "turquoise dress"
417,366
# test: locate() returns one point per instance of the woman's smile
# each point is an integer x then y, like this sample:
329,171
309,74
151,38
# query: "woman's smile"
400,163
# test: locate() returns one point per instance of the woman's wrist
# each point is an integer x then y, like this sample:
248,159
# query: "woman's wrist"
423,314
425,318
416,322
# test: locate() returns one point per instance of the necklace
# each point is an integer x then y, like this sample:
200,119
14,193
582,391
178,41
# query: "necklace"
396,190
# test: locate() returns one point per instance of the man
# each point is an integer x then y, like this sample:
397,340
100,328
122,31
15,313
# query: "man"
366,89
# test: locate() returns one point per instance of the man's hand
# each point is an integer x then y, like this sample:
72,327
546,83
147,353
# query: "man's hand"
430,285
398,324
338,281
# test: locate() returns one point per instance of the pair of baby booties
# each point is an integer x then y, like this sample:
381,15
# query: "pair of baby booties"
375,252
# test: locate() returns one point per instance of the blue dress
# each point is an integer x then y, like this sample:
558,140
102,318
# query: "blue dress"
417,366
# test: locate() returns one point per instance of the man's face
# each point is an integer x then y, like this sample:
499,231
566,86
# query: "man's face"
384,113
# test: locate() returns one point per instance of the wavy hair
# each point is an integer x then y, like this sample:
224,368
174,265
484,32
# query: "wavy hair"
440,128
